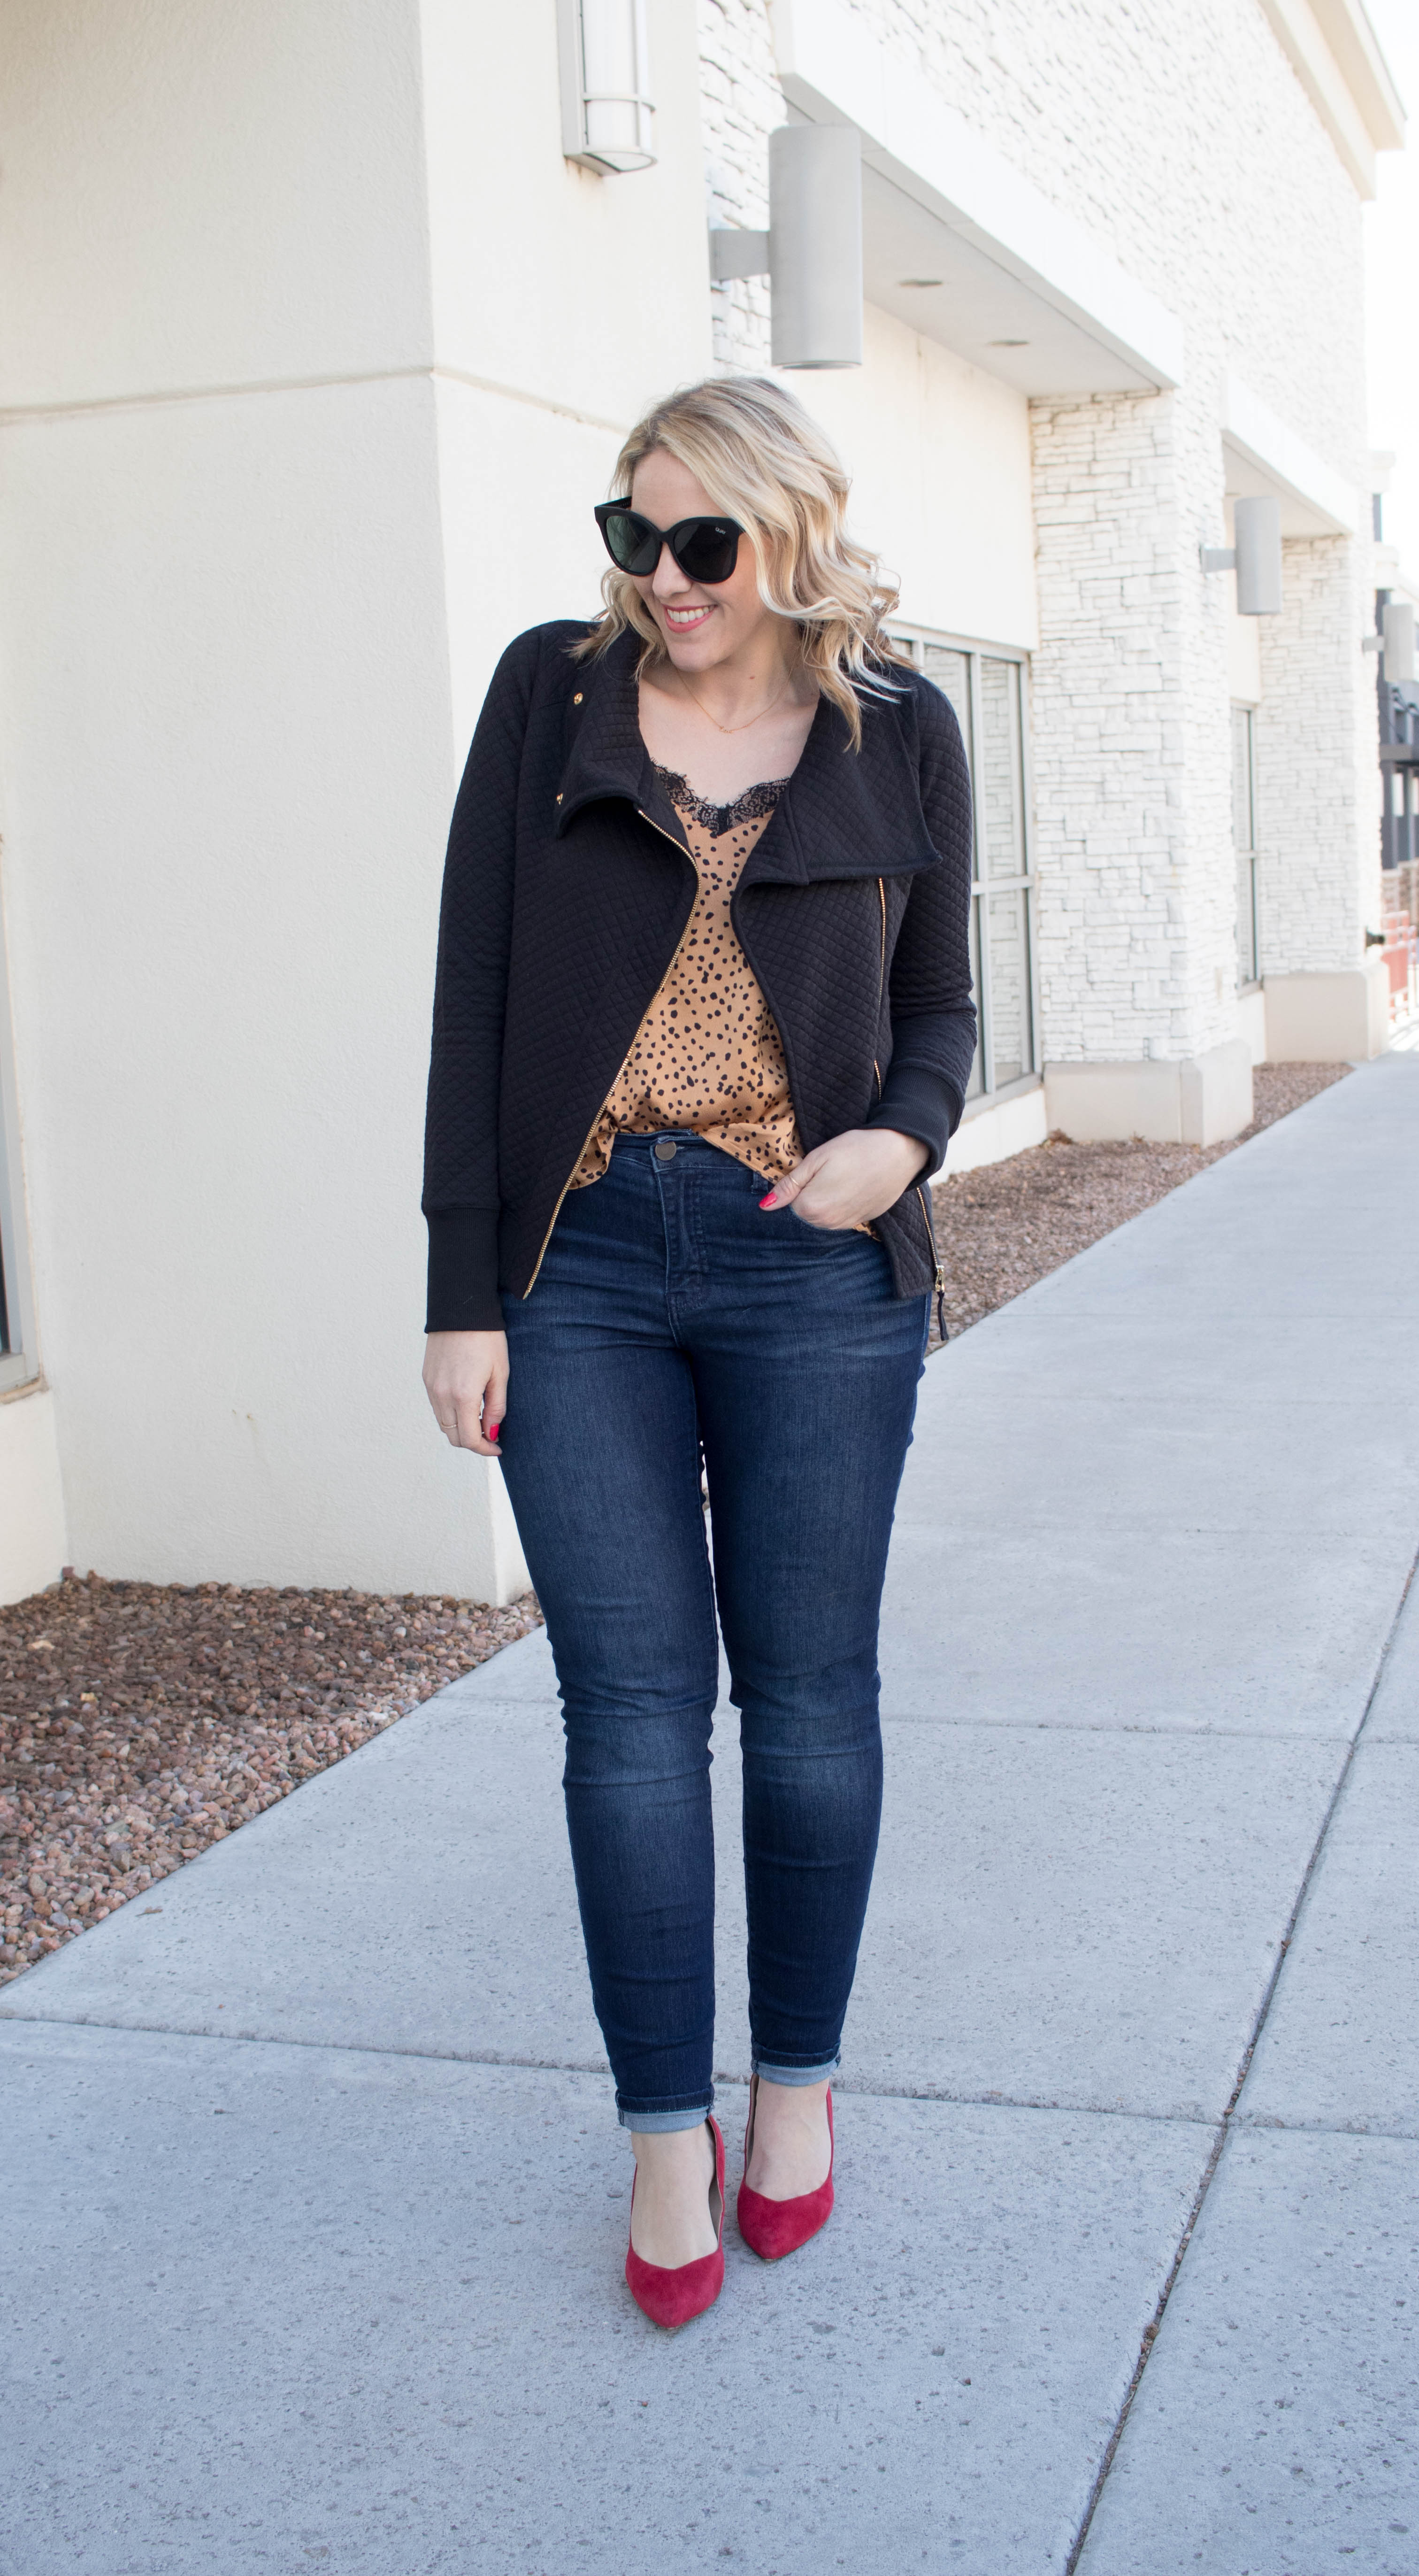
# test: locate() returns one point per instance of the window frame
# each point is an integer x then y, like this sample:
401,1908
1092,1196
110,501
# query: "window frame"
975,649
19,1365
1244,707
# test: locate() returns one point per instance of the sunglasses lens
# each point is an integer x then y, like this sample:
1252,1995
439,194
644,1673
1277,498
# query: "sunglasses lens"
631,542
707,549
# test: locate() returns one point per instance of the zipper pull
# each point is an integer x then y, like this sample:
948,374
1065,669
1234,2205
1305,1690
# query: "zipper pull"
941,1303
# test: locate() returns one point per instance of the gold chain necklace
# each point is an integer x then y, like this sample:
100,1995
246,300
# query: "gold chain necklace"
739,728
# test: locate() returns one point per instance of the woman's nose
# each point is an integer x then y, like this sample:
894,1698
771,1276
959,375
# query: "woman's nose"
667,577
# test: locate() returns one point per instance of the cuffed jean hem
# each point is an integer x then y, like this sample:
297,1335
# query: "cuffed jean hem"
796,2074
652,2123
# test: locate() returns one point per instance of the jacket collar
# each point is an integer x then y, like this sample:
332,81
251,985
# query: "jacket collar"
841,814
606,755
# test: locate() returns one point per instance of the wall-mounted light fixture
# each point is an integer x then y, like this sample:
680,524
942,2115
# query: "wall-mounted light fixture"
812,251
1398,642
608,121
1255,558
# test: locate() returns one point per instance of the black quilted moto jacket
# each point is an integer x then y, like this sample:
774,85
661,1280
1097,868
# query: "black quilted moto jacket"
567,890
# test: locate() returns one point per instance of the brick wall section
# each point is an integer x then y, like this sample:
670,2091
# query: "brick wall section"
1182,139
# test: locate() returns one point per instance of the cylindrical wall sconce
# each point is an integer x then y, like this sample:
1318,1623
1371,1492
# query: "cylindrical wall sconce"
1255,558
1258,558
608,121
1399,640
815,245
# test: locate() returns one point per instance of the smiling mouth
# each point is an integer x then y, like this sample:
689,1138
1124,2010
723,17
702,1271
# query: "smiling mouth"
683,618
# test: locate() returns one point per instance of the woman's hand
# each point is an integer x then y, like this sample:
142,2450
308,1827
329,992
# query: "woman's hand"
465,1379
852,1178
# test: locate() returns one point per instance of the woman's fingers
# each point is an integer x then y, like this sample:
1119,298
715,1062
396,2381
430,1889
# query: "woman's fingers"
465,1379
851,1179
470,1415
794,1183
495,1400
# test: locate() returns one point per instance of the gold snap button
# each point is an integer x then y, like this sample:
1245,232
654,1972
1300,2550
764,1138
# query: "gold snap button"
576,702
559,800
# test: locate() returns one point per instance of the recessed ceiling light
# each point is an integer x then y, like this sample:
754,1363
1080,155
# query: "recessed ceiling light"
1009,344
921,281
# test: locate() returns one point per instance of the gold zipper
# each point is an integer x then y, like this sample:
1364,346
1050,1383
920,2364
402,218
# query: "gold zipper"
940,1282
684,853
881,976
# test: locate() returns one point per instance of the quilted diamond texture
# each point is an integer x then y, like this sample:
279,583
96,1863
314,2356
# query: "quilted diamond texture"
567,886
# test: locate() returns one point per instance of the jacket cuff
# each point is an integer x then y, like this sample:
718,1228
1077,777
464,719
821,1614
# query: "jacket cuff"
463,1271
919,1103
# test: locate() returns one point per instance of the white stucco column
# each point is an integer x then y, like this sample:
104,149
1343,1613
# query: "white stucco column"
311,376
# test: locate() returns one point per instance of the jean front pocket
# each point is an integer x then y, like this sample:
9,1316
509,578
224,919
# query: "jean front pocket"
835,1233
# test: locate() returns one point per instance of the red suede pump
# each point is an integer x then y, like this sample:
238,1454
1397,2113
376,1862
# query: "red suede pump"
670,2294
773,2228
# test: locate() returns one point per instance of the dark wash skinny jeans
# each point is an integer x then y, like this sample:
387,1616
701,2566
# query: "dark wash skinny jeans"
670,1313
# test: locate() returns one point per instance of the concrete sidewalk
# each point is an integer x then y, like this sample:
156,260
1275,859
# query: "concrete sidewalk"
314,2203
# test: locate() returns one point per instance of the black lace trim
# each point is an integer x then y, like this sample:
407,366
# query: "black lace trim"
718,819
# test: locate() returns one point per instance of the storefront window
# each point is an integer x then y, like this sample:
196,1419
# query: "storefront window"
988,692
1244,839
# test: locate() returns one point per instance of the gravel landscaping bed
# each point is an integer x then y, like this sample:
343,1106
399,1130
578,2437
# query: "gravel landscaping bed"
141,1722
1005,1226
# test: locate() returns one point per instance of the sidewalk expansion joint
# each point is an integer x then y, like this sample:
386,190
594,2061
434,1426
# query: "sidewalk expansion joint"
1179,1728
1227,2122
937,2096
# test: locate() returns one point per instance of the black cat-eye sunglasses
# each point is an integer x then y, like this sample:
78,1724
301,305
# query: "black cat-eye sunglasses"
705,549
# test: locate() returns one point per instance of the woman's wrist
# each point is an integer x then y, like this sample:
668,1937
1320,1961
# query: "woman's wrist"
918,1151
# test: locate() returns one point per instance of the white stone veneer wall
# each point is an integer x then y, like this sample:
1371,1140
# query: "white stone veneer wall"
1136,908
1317,775
741,103
1183,139
1107,739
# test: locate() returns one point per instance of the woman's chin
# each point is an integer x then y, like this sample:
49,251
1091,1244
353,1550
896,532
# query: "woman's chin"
693,648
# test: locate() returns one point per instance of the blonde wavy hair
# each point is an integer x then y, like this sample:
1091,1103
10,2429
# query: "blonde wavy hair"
764,461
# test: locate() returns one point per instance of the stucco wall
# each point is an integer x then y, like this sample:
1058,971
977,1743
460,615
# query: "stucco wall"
939,454
300,427
201,196
563,304
228,742
32,1532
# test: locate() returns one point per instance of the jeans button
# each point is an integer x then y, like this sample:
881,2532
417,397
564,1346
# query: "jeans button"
664,1150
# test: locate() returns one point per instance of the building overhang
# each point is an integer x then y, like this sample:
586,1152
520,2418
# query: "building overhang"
1335,54
1009,280
1264,457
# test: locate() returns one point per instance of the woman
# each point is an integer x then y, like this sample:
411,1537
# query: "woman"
703,1022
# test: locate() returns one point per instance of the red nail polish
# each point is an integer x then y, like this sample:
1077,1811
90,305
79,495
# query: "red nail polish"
769,1201
493,1429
